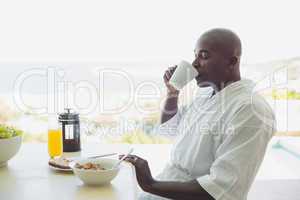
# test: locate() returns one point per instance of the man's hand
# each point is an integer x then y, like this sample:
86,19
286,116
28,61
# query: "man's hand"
170,107
190,190
143,173
167,76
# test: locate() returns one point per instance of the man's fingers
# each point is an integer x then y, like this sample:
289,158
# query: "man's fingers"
127,157
134,157
137,157
172,68
168,74
135,160
131,160
166,80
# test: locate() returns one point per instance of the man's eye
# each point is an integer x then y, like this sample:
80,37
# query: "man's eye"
204,55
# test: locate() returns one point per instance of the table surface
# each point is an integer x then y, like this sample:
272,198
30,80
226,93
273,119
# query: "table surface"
27,175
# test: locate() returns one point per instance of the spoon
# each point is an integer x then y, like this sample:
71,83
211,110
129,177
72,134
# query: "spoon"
73,160
92,157
122,159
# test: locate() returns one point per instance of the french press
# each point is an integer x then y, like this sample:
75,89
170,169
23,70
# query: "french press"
70,130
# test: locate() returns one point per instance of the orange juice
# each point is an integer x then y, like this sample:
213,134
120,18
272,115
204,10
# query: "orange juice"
55,144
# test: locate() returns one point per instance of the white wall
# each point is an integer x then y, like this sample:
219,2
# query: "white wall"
95,30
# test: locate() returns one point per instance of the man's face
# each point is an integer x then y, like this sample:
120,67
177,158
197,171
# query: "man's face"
210,62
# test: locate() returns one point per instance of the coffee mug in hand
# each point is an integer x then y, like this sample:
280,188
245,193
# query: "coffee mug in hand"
184,73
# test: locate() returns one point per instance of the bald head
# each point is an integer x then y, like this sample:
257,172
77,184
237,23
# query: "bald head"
224,40
217,57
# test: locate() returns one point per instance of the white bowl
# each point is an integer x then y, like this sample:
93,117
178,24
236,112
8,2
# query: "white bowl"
9,148
97,177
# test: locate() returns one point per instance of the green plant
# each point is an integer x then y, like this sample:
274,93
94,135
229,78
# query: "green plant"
284,94
9,131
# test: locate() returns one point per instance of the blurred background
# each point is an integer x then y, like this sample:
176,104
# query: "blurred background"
106,59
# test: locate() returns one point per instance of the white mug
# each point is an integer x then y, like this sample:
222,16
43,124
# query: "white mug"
184,73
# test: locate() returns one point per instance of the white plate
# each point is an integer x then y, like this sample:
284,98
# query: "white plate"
60,169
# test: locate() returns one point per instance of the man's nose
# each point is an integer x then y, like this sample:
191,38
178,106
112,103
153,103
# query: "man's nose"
196,64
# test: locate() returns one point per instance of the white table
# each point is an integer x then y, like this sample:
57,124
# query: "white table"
27,175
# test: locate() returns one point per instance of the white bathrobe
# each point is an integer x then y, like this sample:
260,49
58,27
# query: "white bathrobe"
221,141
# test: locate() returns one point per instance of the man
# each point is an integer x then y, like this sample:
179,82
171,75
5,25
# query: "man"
222,136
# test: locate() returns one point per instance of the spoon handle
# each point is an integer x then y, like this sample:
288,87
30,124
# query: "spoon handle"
122,159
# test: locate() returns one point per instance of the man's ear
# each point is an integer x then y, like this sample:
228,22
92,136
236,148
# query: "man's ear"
233,61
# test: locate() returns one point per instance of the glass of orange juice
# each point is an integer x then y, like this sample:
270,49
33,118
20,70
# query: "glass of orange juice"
55,143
